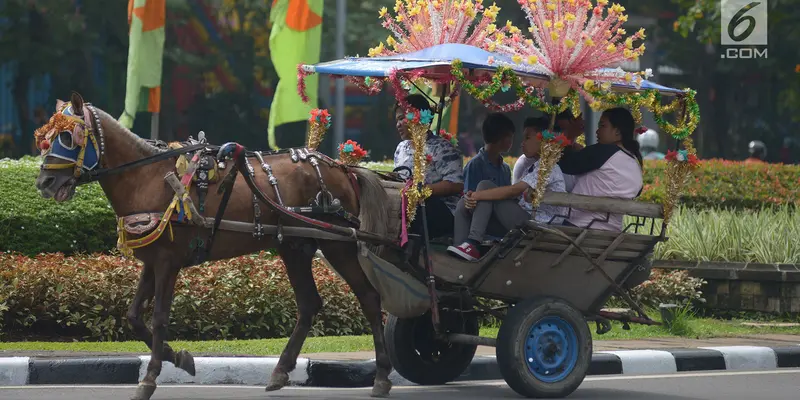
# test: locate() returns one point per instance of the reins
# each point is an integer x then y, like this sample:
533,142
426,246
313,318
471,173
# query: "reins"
94,175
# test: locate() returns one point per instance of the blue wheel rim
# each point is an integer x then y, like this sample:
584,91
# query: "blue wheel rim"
551,349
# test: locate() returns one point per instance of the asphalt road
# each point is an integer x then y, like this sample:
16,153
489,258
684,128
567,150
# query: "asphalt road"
765,385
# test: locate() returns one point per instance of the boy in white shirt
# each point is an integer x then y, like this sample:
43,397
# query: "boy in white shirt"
496,210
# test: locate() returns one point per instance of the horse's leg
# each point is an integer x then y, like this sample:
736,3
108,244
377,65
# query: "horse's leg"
165,278
297,255
144,292
342,256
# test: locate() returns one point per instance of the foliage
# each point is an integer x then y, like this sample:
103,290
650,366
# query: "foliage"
88,296
675,287
765,236
31,224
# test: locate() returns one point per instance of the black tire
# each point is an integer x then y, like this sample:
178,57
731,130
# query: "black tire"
416,354
561,336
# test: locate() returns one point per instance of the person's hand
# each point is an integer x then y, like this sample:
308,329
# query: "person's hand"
469,201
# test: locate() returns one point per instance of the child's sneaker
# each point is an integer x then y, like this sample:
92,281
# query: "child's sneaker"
466,250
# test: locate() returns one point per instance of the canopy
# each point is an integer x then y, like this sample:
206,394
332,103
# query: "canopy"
437,61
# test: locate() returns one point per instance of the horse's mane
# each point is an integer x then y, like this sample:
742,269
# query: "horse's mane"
112,127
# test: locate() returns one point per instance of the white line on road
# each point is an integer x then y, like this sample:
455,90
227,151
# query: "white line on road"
462,383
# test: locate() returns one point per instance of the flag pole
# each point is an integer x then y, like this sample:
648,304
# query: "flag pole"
341,21
154,126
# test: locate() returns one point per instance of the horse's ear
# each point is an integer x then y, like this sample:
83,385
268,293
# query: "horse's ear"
77,103
59,103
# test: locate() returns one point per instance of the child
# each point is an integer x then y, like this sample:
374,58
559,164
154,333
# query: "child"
496,210
498,136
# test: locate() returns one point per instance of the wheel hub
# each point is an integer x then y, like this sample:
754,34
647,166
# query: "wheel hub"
551,349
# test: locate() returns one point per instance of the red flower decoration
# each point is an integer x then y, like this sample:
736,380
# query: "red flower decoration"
429,158
641,130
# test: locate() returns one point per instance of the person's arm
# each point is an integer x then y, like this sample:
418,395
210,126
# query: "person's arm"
500,193
446,188
586,160
450,164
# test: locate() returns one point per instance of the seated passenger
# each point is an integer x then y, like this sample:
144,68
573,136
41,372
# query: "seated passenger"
610,168
496,210
536,125
488,165
444,174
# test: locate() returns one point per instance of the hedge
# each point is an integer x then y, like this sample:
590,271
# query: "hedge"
30,224
87,297
52,296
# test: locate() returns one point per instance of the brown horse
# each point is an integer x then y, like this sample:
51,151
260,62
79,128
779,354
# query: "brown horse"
69,145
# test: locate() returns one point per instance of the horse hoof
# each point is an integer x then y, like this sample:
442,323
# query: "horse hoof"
185,361
144,391
381,388
277,381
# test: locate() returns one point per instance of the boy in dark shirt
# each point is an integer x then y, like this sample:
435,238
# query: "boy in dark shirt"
498,136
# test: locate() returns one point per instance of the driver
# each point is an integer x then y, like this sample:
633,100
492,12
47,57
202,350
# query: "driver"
444,175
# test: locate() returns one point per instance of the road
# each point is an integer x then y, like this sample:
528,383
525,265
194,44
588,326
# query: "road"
764,385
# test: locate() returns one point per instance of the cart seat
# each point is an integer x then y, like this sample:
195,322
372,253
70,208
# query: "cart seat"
541,259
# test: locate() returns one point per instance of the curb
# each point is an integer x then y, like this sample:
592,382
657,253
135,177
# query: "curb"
19,371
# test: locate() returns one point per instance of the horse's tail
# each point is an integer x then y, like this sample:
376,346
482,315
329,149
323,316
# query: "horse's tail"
373,211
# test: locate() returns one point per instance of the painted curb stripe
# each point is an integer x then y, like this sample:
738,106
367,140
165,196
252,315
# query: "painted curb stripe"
788,357
698,360
644,362
83,371
747,357
226,371
605,364
14,371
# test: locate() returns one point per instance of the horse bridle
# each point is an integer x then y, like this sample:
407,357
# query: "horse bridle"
91,125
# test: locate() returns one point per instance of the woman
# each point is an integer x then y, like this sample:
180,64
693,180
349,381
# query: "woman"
497,210
444,175
610,168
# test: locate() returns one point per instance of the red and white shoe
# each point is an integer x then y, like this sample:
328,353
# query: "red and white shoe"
466,251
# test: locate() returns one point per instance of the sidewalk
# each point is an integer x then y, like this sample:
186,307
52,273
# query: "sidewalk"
768,340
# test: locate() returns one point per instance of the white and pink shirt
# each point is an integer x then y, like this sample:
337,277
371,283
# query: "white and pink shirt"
602,170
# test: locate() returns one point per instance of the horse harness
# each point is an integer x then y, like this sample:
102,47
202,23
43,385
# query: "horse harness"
201,163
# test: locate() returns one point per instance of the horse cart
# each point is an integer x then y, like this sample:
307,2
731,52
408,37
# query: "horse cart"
544,282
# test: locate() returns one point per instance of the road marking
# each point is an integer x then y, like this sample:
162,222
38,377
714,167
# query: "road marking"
462,383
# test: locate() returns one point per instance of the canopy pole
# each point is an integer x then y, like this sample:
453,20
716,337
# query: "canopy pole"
339,122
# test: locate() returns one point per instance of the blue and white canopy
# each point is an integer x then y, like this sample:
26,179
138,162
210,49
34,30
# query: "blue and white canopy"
437,61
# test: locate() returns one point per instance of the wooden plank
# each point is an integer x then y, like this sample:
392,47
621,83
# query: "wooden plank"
573,232
604,204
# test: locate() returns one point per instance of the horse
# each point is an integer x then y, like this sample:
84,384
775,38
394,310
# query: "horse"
82,143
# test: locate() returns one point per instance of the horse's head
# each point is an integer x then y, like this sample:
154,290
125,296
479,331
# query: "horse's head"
71,144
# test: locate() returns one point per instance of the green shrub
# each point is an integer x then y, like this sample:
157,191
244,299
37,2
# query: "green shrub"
29,224
87,297
765,236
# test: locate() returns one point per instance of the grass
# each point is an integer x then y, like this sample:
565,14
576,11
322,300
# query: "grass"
694,328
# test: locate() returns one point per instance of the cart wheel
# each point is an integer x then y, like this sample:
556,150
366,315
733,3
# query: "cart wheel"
419,357
544,348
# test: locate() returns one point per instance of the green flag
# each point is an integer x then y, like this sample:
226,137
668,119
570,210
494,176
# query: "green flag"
294,39
145,54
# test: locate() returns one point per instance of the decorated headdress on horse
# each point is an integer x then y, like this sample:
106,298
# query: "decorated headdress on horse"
67,136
